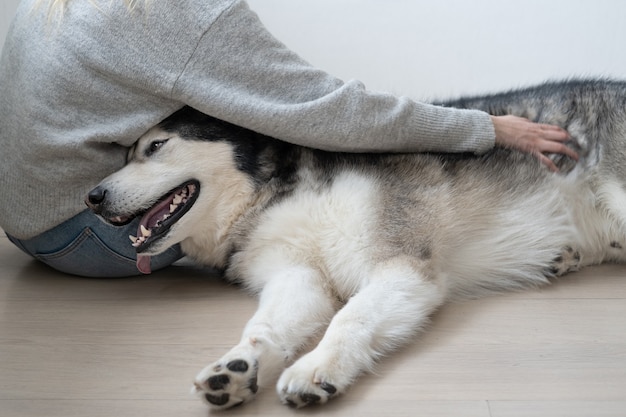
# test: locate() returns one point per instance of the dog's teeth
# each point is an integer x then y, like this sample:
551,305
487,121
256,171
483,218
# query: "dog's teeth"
173,207
133,238
137,241
145,232
177,199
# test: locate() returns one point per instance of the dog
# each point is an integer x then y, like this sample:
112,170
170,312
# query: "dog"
352,253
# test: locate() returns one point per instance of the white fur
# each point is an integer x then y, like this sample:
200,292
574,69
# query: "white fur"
327,275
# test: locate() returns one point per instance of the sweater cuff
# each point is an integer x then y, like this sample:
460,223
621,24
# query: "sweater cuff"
486,134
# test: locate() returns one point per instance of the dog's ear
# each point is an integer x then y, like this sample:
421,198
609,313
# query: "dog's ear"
192,124
184,117
186,114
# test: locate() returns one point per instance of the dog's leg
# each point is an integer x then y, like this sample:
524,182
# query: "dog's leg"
293,307
384,314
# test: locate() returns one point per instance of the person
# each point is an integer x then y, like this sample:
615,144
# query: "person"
81,80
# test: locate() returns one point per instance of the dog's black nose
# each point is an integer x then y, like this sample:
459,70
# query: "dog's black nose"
95,198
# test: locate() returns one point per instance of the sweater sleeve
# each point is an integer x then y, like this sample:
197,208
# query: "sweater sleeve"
242,74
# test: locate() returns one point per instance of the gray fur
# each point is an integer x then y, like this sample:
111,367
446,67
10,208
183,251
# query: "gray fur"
328,239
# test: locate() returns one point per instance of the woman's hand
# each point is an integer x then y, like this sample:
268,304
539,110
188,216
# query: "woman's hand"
534,138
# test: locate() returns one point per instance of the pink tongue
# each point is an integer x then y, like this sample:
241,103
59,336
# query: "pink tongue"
143,264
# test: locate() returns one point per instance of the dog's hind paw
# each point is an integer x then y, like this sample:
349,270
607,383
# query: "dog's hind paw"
568,261
227,383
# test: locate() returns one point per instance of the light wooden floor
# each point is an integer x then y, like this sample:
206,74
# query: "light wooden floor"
130,347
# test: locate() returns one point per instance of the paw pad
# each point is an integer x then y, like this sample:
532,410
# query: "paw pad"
329,388
224,386
215,400
218,382
237,366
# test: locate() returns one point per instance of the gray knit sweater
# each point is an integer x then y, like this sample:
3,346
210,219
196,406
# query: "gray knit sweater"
76,92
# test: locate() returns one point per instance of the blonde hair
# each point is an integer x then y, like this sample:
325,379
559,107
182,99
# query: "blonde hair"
61,3
57,7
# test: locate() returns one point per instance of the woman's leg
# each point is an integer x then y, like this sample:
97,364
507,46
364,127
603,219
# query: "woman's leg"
87,246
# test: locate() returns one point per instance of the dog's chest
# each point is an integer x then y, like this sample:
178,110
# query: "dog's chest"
331,231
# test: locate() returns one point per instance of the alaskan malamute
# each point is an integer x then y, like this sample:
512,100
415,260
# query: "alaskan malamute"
359,250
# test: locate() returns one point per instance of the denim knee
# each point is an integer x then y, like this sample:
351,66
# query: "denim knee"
86,246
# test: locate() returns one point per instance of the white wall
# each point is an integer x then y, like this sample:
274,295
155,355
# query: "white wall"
438,48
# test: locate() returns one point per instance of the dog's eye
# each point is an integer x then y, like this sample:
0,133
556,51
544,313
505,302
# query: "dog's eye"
155,146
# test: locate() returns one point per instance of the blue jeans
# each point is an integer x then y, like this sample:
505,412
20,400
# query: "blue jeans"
87,246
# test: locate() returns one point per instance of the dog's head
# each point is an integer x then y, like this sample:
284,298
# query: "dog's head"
185,178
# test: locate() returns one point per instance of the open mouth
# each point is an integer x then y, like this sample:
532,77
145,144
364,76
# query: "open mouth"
158,220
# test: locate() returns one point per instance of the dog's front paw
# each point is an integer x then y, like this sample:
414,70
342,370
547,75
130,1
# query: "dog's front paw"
307,383
228,382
